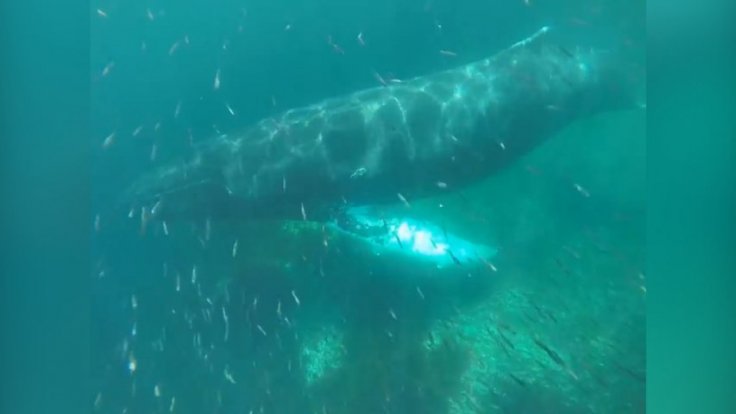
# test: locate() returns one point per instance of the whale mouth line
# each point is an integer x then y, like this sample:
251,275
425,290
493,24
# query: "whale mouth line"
184,187
176,196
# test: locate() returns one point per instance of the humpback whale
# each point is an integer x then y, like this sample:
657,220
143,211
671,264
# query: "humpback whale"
391,143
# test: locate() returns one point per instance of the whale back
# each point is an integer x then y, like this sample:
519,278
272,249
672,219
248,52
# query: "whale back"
455,127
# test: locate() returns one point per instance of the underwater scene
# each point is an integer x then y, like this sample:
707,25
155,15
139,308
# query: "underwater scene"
390,206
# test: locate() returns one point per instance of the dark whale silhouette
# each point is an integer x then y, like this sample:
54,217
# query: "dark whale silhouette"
394,143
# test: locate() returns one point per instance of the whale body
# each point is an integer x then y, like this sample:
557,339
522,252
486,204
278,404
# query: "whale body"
398,142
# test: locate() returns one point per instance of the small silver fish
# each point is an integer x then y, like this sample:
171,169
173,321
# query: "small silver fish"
216,83
296,299
421,294
403,200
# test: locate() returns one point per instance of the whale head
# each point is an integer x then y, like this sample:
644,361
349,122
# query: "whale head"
180,190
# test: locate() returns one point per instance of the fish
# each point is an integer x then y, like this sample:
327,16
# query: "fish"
398,240
566,52
517,380
553,355
454,259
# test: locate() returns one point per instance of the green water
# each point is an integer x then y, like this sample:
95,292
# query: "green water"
190,323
